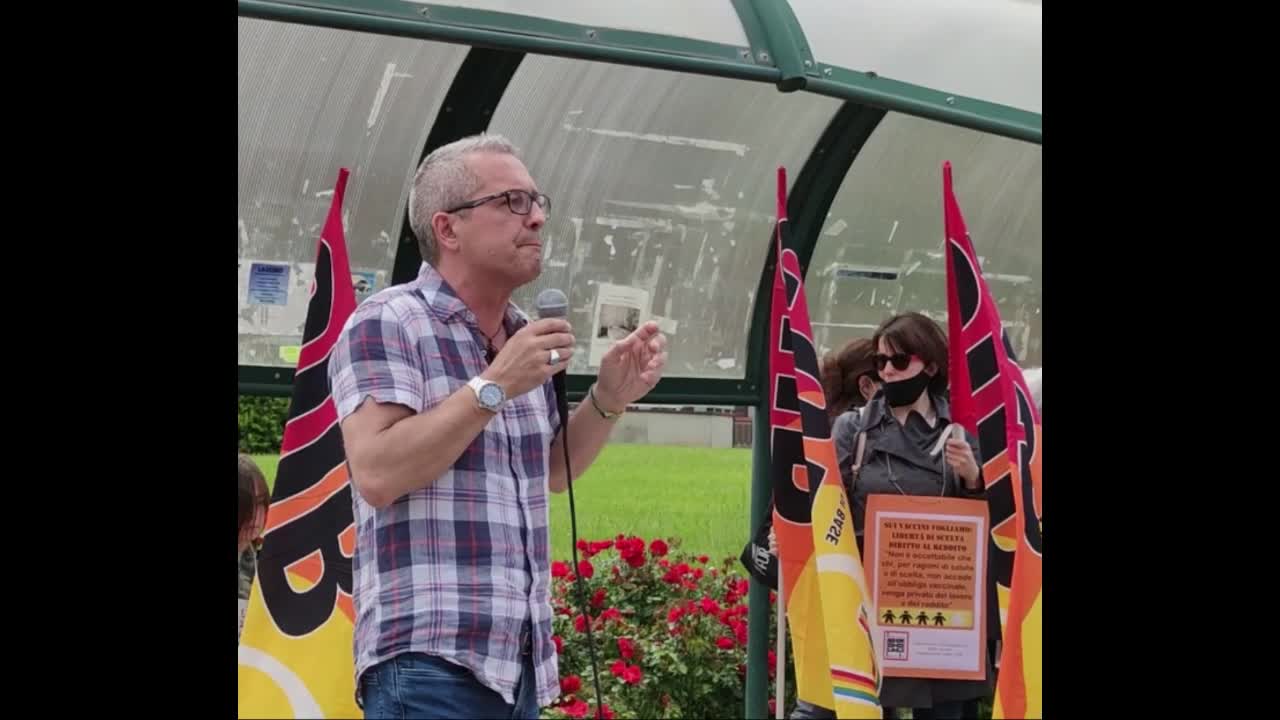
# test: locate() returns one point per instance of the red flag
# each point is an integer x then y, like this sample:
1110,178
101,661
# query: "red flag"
989,396
295,651
823,587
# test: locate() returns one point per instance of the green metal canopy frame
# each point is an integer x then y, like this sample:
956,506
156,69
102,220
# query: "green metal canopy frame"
778,53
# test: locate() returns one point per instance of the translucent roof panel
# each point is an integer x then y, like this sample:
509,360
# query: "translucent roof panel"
880,251
312,100
984,49
711,20
663,200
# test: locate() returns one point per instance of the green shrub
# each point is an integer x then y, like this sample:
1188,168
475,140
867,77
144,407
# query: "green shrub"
262,423
670,629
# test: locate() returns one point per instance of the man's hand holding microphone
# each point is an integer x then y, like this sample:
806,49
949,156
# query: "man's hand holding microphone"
531,356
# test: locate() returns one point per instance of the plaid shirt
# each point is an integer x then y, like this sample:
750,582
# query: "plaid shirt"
455,569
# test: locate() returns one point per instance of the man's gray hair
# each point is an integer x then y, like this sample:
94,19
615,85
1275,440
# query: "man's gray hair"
443,181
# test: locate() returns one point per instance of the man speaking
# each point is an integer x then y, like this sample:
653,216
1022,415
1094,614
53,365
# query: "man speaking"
444,391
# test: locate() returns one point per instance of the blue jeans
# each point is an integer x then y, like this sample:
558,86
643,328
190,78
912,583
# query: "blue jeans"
414,685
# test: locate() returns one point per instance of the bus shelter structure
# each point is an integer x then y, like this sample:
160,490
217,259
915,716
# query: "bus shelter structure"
656,128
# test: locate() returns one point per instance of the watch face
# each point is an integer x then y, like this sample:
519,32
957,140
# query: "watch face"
491,395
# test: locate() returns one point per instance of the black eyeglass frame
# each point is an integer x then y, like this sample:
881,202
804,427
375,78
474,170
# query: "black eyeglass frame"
541,199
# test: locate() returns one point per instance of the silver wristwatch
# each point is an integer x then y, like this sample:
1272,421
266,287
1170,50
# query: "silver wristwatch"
489,395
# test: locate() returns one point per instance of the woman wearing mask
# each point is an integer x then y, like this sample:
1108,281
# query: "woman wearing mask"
905,431
908,449
849,376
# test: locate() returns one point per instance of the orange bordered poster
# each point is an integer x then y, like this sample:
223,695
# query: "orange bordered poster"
926,564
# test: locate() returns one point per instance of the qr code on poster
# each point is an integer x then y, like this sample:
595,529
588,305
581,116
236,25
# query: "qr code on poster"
895,645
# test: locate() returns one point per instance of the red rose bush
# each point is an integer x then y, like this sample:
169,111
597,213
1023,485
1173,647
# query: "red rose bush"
670,632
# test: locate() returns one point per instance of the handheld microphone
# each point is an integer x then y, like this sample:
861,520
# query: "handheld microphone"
552,303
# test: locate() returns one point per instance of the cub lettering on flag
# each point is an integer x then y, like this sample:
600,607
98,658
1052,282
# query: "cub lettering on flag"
823,587
990,397
295,652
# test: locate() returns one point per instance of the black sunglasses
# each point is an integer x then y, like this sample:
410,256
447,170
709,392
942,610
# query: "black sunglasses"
900,360
519,202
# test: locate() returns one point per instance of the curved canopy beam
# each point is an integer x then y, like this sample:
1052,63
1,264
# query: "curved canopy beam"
524,33
477,87
808,202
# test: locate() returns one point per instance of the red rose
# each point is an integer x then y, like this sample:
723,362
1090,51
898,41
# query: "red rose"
617,668
585,569
576,709
671,576
611,614
703,559
675,614
570,685
632,675
626,648
697,573
724,643
559,643
598,599
585,548
605,712
559,569
664,563
657,548
773,706
631,550
683,568
740,630
580,624
773,597
709,606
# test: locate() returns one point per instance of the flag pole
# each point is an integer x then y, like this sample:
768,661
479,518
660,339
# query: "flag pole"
780,662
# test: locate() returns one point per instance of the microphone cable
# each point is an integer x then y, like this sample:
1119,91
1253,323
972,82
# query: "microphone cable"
582,592
553,303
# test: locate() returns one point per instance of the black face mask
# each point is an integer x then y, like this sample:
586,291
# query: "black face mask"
906,392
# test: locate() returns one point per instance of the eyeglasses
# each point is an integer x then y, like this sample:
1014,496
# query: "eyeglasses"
901,361
520,202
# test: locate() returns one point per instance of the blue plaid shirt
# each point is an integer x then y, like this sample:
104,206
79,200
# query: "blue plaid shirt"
455,569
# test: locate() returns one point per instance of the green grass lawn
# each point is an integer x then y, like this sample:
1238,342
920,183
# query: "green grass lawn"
699,495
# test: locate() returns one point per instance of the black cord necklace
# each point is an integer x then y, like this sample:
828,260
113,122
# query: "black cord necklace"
490,352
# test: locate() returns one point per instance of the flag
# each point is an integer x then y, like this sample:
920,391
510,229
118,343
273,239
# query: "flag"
295,656
990,397
824,590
